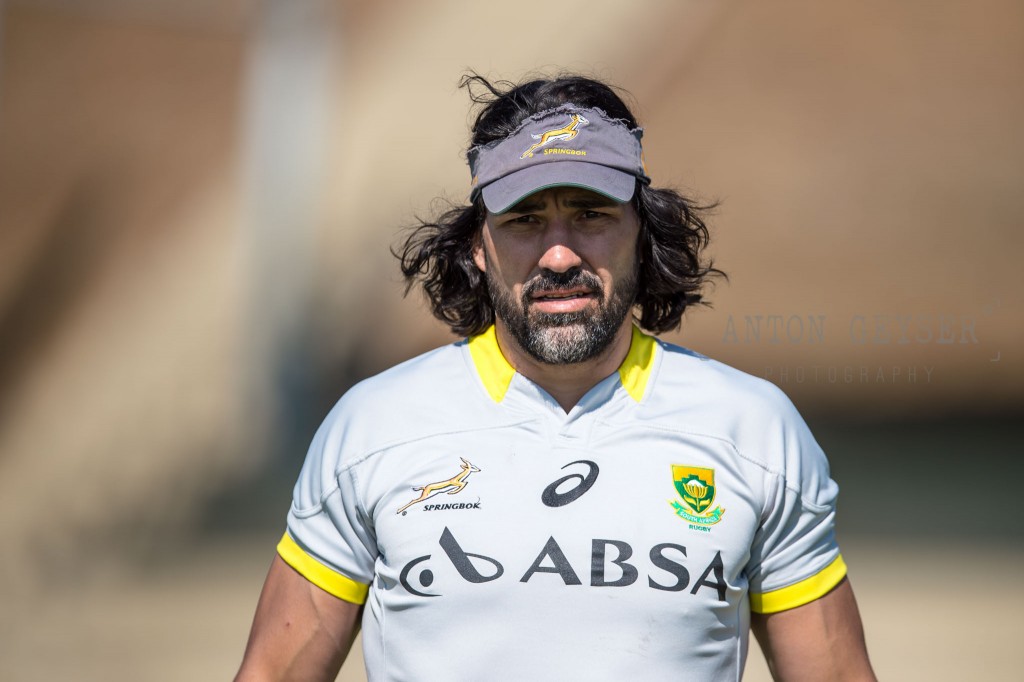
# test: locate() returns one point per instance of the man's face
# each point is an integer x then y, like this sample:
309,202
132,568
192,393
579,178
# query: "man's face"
561,270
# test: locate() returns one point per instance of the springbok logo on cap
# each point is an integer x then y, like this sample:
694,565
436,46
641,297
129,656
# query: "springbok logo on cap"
565,133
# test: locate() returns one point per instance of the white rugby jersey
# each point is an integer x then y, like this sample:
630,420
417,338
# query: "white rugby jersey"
492,536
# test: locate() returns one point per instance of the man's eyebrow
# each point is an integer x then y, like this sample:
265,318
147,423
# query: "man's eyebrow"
531,204
527,205
591,201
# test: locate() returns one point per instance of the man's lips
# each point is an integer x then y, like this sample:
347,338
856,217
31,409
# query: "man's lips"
560,294
561,300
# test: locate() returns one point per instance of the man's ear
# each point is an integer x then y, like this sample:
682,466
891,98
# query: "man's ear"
479,258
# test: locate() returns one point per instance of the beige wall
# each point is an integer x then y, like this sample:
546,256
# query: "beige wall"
119,275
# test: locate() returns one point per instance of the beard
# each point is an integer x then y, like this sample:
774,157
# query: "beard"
564,338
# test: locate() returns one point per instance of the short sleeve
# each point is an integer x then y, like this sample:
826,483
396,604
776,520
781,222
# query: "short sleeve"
329,538
794,558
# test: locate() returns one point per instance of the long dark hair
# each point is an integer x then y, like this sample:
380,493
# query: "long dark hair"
439,253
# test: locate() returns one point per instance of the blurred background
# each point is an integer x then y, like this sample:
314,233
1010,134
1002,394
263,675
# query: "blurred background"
196,205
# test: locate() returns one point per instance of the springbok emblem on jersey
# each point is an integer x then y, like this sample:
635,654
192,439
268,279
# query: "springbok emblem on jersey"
696,487
564,134
453,485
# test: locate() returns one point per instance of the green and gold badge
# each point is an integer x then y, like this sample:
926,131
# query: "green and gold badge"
696,488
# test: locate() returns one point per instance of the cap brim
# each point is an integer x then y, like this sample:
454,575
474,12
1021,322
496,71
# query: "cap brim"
500,195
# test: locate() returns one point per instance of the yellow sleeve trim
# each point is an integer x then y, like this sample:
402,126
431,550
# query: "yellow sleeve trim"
315,572
803,592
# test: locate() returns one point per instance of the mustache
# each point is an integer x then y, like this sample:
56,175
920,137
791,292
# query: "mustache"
569,279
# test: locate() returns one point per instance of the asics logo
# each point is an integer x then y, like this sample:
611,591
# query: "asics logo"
552,497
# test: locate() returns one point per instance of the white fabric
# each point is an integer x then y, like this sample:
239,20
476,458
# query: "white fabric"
545,617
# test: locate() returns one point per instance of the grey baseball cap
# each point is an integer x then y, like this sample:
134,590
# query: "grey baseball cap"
567,146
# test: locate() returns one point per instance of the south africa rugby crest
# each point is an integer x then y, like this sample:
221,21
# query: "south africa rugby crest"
696,488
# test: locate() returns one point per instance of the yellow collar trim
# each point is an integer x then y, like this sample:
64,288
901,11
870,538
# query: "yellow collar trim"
496,372
635,370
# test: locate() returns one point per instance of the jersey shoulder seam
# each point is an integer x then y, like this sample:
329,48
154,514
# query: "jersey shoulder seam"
732,445
348,465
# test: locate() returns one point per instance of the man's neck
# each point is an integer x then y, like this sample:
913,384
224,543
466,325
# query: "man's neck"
566,383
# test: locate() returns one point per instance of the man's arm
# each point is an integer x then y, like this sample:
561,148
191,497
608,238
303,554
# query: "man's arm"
300,632
821,640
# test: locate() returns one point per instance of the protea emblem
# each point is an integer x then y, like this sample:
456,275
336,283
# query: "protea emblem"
696,487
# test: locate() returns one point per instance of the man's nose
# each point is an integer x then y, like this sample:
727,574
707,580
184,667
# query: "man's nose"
560,254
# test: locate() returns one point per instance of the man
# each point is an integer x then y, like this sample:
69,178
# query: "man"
561,496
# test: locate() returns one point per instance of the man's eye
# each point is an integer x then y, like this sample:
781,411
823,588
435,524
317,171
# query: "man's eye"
591,215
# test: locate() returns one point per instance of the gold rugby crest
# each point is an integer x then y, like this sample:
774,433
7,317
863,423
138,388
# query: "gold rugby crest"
696,488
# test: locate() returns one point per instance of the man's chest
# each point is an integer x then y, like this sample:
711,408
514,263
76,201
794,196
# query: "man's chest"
652,513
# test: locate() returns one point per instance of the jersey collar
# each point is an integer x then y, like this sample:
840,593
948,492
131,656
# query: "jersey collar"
496,372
